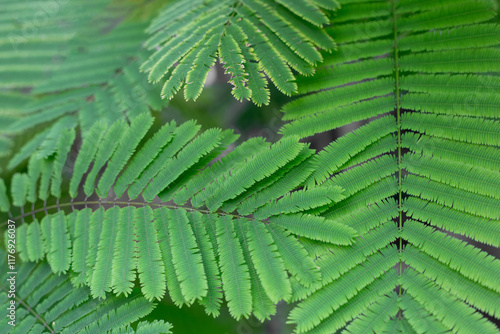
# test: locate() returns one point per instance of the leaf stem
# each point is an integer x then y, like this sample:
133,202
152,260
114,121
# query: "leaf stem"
32,311
100,202
398,121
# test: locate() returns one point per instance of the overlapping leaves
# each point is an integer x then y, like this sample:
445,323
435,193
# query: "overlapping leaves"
108,238
422,77
253,39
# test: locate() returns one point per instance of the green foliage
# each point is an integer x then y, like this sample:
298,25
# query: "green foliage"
76,74
48,303
187,250
380,231
252,39
422,75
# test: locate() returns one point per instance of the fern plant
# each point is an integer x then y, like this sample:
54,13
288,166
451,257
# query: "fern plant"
422,77
362,235
47,303
189,250
253,39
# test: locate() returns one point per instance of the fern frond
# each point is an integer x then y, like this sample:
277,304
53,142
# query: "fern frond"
459,61
287,178
19,189
466,259
27,150
87,153
307,11
124,260
421,321
476,295
456,316
63,148
164,245
421,78
256,169
101,276
4,199
322,119
49,303
268,264
34,242
187,260
342,260
458,199
474,227
59,256
324,302
475,155
234,271
336,154
372,216
232,59
227,138
188,156
182,135
324,229
82,244
471,35
277,35
95,229
197,72
300,201
149,265
106,149
458,175
294,256
357,177
126,147
465,129
45,178
376,316
345,259
95,75
35,170
162,225
263,306
213,298
374,193
234,159
21,239
357,304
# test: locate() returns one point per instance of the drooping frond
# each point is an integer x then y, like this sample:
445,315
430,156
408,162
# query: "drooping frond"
150,268
235,275
186,257
45,302
253,39
422,77
189,251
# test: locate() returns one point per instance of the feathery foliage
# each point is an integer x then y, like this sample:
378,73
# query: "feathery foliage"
48,303
187,250
76,73
424,76
253,39
381,231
